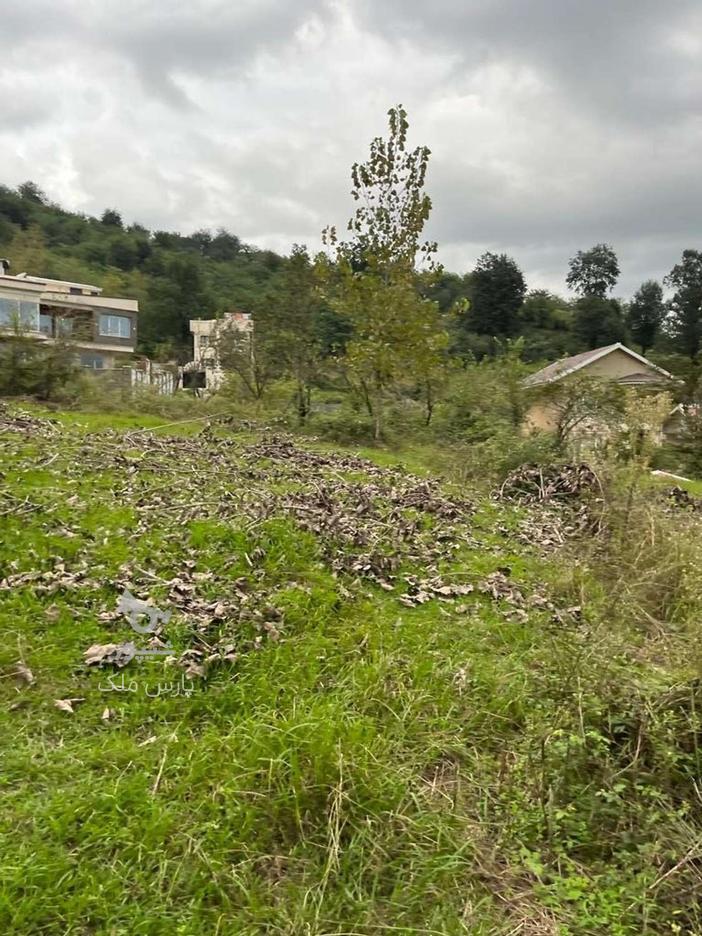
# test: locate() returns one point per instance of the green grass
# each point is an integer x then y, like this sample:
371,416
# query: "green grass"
451,768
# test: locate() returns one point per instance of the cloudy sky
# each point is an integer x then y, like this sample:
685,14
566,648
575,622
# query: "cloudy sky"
553,124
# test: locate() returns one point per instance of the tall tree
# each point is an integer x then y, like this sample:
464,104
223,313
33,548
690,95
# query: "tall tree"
111,217
498,289
686,306
31,191
646,314
373,280
593,272
297,304
599,321
174,299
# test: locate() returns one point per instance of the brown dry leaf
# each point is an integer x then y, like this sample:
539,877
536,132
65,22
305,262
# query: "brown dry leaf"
107,714
24,674
119,654
66,705
194,669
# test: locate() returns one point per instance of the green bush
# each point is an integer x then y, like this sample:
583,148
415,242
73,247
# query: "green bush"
491,459
32,368
344,426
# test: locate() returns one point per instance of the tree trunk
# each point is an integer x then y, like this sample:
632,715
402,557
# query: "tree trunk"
429,404
367,399
378,434
303,402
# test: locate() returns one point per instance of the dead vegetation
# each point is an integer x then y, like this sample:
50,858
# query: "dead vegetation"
385,667
533,484
369,525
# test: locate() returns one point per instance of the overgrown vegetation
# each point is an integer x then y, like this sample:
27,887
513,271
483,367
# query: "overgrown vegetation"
445,684
422,708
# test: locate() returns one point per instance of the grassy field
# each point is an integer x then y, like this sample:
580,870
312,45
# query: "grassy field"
403,713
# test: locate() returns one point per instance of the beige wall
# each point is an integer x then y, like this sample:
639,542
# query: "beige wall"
614,365
541,417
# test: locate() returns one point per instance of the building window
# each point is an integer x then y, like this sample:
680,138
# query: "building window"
19,313
29,315
64,327
92,360
46,324
115,326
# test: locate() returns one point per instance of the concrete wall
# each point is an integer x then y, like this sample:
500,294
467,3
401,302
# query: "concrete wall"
614,365
541,417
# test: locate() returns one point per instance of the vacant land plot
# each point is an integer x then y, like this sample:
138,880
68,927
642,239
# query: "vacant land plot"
374,704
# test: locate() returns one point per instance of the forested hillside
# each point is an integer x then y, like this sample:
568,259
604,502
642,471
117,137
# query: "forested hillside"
174,277
177,277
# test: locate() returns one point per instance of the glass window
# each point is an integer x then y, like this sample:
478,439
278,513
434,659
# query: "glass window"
92,360
9,311
29,315
115,326
46,324
18,312
64,327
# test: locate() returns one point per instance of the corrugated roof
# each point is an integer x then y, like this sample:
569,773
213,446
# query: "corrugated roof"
565,366
640,377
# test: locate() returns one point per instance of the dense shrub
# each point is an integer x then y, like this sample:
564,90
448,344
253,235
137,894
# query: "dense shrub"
344,426
32,368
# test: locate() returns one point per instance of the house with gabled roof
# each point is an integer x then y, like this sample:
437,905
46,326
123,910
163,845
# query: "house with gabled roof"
615,363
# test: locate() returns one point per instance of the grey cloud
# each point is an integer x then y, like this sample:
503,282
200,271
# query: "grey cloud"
553,124
163,40
605,54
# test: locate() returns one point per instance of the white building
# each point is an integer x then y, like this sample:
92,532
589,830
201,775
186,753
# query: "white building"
204,372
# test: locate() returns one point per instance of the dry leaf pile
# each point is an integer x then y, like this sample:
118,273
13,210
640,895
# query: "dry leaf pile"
679,498
532,484
563,502
17,420
369,524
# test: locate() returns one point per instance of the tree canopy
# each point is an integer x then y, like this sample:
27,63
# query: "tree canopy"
498,288
646,314
686,305
373,280
593,272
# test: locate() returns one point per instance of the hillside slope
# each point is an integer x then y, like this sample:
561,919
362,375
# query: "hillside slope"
175,277
406,710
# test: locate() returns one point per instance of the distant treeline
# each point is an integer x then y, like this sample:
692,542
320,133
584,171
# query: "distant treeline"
177,277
